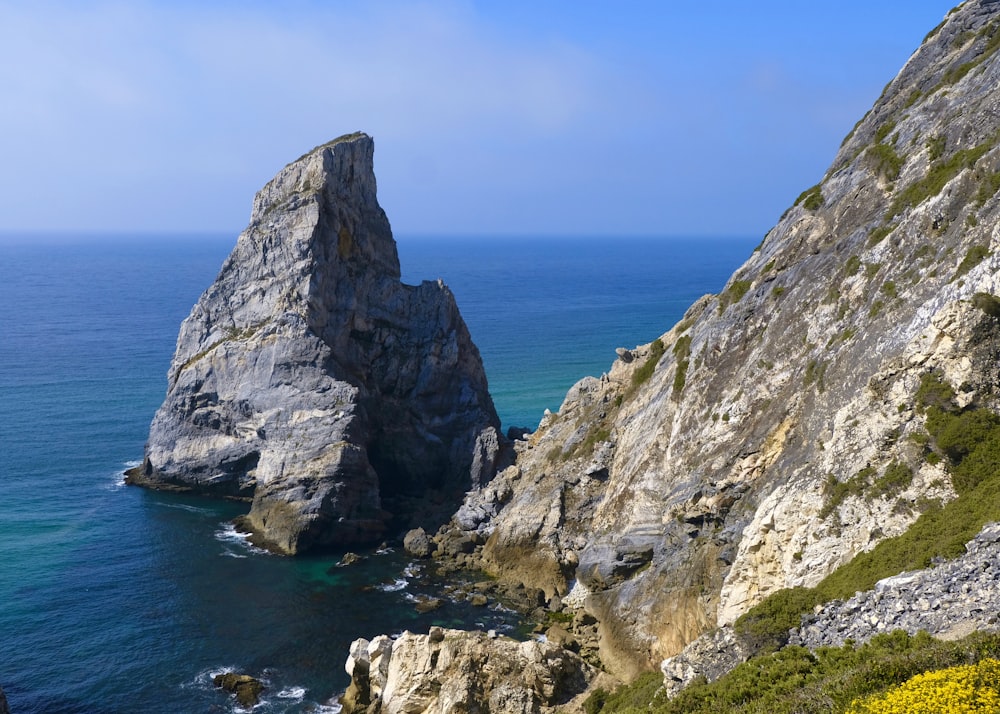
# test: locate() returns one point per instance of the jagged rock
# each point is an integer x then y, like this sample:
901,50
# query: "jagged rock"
350,559
417,543
451,671
712,448
950,600
246,688
309,379
4,708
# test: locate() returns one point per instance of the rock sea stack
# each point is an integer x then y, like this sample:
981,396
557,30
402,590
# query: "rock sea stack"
310,381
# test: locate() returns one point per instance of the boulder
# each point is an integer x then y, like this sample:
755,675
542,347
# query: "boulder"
246,688
453,670
417,543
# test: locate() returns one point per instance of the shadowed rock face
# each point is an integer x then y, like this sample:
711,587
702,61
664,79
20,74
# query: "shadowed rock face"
309,379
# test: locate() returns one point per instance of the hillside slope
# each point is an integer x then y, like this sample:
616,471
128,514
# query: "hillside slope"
775,432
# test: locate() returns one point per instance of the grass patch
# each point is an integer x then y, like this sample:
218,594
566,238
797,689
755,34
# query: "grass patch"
682,354
988,188
815,371
852,266
968,443
935,147
938,175
734,293
975,255
642,375
885,161
878,234
990,304
811,198
795,680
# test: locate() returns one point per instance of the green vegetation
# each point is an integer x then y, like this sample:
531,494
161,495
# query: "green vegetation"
988,188
852,266
811,198
990,304
871,269
734,293
939,174
886,162
878,234
884,130
955,74
233,334
795,680
656,351
815,372
968,442
777,291
935,147
975,255
682,354
889,288
963,689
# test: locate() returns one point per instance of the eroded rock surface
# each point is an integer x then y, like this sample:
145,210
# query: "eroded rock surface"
457,671
311,381
698,475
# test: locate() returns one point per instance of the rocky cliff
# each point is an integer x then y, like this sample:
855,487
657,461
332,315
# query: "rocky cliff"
777,431
311,381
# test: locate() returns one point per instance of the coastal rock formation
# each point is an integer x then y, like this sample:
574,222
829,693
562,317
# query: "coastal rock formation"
4,707
457,671
774,433
949,601
311,381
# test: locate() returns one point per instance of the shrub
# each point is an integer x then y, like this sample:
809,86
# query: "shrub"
682,353
987,188
935,147
878,234
656,351
975,255
852,266
964,689
811,198
939,174
734,293
886,162
990,304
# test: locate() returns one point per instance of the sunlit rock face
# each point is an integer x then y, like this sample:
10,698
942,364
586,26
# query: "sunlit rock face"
311,381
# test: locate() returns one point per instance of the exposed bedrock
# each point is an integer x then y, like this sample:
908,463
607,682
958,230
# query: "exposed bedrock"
309,380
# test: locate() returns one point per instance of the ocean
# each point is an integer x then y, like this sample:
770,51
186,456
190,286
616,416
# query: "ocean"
115,599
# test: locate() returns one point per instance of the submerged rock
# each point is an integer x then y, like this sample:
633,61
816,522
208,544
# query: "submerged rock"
311,381
246,688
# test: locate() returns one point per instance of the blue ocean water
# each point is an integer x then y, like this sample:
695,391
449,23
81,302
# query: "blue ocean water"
114,599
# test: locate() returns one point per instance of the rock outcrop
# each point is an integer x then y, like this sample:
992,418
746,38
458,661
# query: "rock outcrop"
949,601
4,707
755,445
311,381
457,671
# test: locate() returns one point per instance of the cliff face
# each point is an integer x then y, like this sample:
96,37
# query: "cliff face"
701,473
309,379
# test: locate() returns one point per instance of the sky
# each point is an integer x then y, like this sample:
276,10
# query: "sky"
529,118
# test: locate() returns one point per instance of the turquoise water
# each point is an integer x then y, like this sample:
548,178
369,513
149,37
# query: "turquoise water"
115,599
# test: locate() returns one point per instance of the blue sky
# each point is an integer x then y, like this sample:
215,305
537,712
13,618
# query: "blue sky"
521,118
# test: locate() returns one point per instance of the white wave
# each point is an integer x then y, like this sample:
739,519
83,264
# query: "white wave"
187,507
296,693
331,707
394,586
228,534
383,551
412,570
